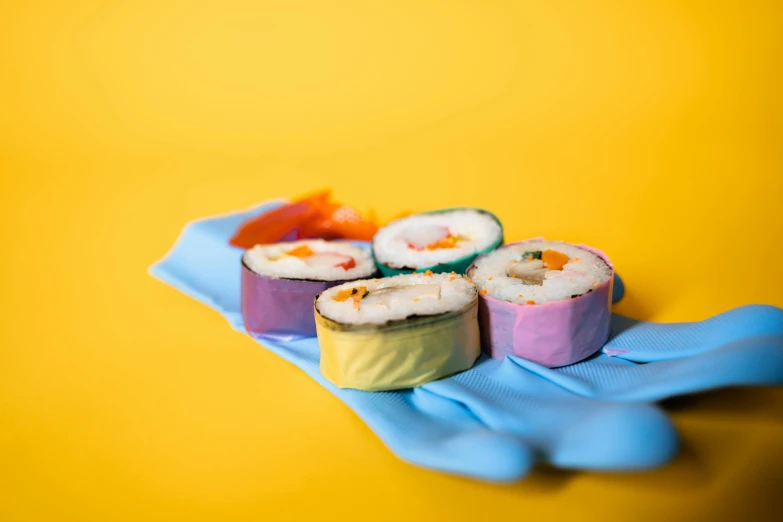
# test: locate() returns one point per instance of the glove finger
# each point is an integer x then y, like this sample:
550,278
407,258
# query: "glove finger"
641,341
756,360
564,429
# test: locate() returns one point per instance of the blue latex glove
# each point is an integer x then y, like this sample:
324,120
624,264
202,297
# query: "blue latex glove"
495,421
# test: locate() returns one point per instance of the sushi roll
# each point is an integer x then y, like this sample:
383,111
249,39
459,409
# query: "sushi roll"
440,241
280,281
548,302
397,332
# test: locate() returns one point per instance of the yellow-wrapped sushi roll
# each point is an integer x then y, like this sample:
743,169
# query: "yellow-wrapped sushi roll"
397,332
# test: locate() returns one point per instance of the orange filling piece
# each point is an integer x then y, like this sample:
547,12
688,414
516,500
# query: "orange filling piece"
357,294
301,251
554,260
447,242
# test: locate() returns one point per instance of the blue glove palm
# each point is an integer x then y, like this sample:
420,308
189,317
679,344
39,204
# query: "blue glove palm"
494,421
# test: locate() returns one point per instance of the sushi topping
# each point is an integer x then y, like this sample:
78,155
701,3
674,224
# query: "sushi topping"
449,242
357,294
333,259
533,267
388,295
322,259
554,260
530,272
301,251
429,238
330,260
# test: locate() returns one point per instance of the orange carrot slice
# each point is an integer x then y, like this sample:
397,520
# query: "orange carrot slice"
447,242
420,238
351,293
554,260
301,251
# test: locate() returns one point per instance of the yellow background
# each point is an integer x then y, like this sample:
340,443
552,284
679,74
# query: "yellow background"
651,129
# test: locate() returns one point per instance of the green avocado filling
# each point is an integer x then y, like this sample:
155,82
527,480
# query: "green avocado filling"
535,254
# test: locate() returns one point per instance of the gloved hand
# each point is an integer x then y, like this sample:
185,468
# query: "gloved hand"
494,421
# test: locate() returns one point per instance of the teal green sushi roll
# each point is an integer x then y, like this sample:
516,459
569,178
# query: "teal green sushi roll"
445,240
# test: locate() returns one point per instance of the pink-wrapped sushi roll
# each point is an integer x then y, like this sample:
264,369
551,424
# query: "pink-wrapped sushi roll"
545,301
280,282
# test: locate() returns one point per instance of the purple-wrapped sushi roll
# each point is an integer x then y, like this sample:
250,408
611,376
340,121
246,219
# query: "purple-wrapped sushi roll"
545,301
280,283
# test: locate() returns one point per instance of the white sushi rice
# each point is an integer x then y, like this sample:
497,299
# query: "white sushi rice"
477,231
395,298
583,272
273,261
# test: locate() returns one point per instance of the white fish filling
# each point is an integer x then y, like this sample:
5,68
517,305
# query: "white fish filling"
507,274
425,240
376,301
325,261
